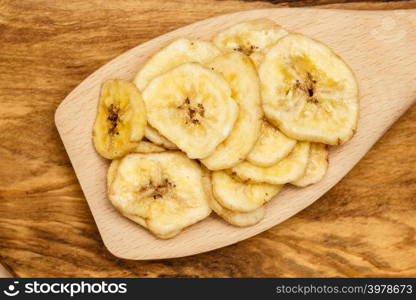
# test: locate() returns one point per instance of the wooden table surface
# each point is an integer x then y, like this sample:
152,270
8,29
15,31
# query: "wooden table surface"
365,226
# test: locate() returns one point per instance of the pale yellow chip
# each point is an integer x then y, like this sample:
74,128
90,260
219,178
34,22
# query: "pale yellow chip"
155,137
239,196
161,191
174,54
147,147
241,75
234,218
192,107
111,173
286,170
308,91
271,146
316,167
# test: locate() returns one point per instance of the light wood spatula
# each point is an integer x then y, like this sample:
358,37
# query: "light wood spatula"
380,46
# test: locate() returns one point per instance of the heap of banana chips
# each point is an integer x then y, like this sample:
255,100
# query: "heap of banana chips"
223,125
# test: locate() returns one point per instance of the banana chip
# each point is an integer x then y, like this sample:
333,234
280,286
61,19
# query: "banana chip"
111,173
308,91
271,147
192,107
288,169
155,137
240,196
251,38
234,218
120,121
147,147
161,191
316,167
257,107
241,75
176,53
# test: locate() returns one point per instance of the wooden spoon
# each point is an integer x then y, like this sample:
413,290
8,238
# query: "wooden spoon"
380,46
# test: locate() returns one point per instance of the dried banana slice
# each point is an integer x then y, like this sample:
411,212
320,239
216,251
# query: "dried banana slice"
111,174
251,38
316,167
176,53
147,147
271,147
120,121
155,137
192,107
161,191
286,170
308,91
234,218
241,75
142,222
239,196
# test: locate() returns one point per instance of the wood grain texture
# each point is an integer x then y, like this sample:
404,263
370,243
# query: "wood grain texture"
364,226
